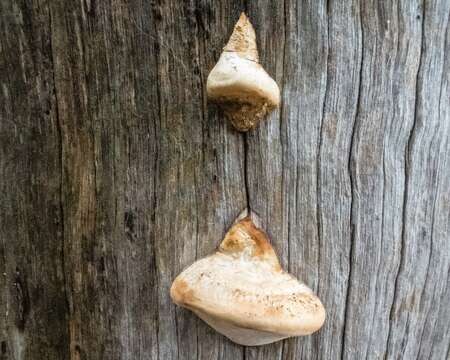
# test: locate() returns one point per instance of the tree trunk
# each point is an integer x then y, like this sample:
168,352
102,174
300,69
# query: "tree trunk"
116,173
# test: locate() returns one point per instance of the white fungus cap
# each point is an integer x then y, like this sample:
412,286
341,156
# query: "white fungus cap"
243,293
239,83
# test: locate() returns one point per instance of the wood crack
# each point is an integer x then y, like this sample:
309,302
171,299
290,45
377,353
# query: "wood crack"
60,132
408,156
448,352
319,148
23,299
155,183
283,80
352,174
246,183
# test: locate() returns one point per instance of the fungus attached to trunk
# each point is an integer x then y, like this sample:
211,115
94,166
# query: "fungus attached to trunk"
239,83
243,293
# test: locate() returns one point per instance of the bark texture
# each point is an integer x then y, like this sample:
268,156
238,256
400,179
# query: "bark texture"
115,173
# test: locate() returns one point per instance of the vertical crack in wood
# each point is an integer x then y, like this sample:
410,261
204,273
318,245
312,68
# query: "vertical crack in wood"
4,292
351,173
448,352
177,334
155,178
283,80
23,299
246,179
126,251
3,350
319,146
245,6
245,139
153,217
60,132
246,183
408,156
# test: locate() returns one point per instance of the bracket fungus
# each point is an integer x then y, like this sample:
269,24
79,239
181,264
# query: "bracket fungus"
238,83
243,293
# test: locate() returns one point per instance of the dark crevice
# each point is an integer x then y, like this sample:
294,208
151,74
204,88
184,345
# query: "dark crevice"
283,80
282,114
246,180
22,299
347,297
4,274
319,153
154,206
177,334
319,149
126,250
351,173
155,178
60,131
408,156
448,352
246,183
245,137
282,108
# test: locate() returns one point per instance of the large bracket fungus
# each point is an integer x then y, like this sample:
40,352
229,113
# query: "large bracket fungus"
239,83
243,293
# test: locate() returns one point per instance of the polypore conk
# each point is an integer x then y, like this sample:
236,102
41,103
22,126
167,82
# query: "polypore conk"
243,293
239,83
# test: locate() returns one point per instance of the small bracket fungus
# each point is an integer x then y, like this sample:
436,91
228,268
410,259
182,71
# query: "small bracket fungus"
239,83
243,293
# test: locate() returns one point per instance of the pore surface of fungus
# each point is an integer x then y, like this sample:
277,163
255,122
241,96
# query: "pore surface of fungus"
239,83
243,293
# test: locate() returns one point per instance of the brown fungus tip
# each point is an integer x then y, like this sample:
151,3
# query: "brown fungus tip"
243,40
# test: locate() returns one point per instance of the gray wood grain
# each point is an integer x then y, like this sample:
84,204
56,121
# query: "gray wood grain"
116,173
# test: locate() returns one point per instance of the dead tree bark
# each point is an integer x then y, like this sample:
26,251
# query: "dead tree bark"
115,173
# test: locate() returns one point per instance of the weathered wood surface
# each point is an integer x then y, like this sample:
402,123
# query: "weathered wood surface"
115,173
